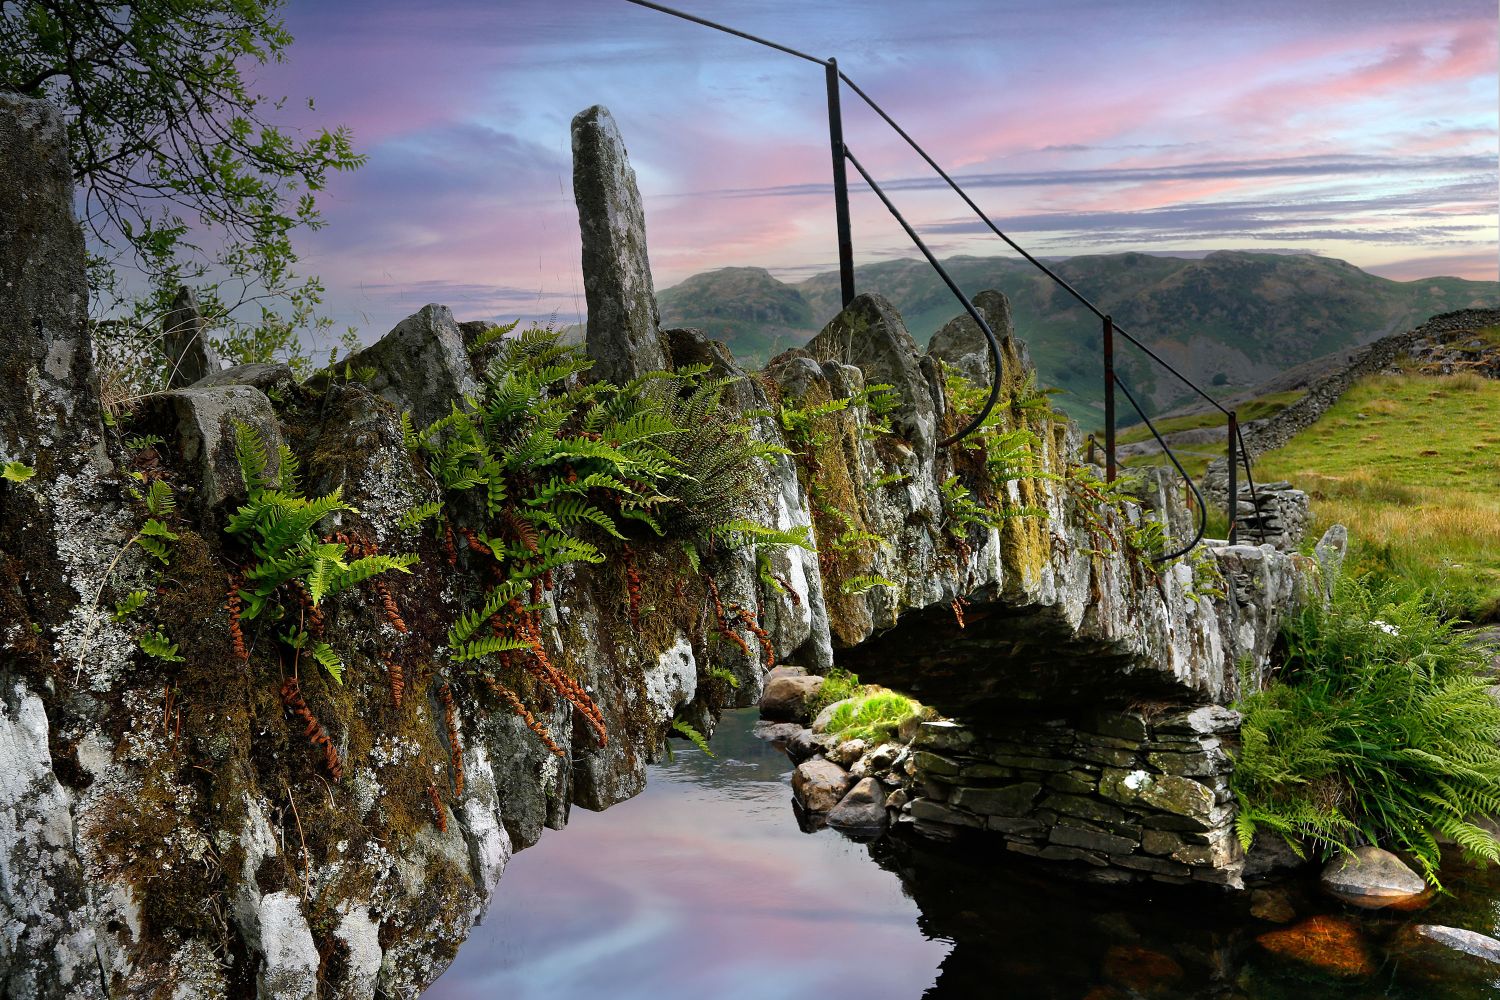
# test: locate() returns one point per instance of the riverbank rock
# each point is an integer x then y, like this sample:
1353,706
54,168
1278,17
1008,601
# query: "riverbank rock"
820,784
790,696
804,746
862,810
1331,944
1446,954
777,732
1373,879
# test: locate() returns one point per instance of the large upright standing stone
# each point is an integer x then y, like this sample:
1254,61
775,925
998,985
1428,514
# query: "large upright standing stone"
623,334
49,402
50,422
190,356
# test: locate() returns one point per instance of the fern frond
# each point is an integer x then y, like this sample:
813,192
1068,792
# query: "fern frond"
156,644
498,597
160,500
419,514
486,646
360,570
864,584
132,603
695,737
329,661
250,453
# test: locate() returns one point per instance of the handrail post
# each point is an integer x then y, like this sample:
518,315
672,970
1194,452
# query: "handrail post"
840,184
1109,399
1234,479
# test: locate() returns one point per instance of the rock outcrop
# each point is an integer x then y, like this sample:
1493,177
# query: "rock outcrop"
185,823
190,357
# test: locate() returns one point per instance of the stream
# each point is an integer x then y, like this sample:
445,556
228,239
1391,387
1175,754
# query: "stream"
705,886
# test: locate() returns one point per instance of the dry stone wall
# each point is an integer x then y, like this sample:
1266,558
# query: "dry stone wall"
1132,795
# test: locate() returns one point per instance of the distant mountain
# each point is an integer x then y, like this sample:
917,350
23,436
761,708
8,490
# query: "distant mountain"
1231,317
747,308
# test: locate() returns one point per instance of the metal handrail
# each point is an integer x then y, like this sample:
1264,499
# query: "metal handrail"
1237,451
975,314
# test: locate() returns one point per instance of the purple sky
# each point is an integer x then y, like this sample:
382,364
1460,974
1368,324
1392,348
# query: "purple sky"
1361,129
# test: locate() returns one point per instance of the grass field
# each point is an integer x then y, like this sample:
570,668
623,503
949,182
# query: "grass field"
1411,465
1255,409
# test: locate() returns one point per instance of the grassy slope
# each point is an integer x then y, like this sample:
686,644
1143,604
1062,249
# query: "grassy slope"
1411,464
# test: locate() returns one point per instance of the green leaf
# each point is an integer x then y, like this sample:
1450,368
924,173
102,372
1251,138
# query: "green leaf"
17,472
156,644
130,605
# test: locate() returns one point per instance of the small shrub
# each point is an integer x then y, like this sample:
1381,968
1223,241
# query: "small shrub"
1380,729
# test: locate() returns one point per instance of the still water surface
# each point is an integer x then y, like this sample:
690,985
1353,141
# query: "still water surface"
704,886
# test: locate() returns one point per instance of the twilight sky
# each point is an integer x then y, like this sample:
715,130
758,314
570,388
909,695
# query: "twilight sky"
1360,129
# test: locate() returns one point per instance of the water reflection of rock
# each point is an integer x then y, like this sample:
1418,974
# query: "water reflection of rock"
1020,933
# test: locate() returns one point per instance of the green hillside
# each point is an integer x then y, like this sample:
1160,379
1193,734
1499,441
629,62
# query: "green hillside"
758,316
1411,464
1233,317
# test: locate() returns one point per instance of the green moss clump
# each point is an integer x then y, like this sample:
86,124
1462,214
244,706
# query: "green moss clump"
874,715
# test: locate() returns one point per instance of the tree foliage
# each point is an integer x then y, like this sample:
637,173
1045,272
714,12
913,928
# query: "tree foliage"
182,175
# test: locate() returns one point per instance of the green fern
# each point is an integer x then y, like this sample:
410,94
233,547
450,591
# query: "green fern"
419,514
693,736
160,500
1381,729
132,603
156,644
486,646
153,537
865,583
725,675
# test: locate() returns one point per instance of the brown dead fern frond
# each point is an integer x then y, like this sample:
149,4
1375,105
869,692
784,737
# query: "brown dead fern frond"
397,677
514,701
235,604
291,697
455,748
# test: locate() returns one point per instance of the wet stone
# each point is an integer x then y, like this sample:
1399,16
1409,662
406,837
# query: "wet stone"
1013,800
926,810
862,810
1119,725
1085,808
1070,836
1073,782
819,784
1372,878
928,763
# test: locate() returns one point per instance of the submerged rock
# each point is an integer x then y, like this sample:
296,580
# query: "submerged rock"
1449,955
1330,944
1373,879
